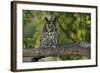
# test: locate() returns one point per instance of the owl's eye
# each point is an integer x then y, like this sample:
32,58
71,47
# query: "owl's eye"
48,22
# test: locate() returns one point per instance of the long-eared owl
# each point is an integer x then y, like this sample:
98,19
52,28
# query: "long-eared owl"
49,34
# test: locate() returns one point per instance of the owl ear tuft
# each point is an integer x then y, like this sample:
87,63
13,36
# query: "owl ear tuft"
54,20
46,19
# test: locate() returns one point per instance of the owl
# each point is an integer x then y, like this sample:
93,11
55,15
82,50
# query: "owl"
49,34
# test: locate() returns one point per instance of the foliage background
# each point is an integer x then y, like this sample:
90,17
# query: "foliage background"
71,27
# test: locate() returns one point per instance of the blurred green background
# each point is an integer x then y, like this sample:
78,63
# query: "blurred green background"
71,27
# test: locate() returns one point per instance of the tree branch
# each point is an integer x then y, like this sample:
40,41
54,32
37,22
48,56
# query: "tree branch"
73,49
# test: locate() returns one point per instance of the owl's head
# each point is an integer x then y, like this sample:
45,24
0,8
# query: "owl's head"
50,24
